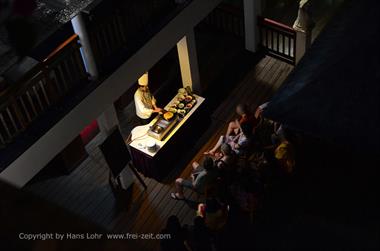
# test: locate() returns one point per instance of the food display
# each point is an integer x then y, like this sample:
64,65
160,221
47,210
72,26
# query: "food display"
173,109
188,98
180,106
183,102
168,115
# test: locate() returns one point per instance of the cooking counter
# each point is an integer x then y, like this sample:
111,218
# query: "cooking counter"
140,136
152,163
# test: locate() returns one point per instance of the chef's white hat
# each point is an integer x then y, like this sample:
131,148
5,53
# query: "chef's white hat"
144,79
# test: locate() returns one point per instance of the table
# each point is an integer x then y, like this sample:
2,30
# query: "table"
169,150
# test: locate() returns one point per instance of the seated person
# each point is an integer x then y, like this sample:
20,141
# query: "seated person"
278,133
260,109
238,143
245,117
200,178
178,235
200,236
267,132
284,153
214,213
225,158
246,190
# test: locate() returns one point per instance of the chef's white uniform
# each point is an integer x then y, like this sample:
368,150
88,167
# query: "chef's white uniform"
143,111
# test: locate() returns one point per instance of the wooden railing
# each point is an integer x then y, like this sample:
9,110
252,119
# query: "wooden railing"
277,40
111,28
227,18
40,88
107,37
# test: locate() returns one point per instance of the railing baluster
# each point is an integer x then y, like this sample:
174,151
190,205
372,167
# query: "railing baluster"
113,40
279,33
54,77
25,109
120,26
104,36
12,119
71,70
41,84
31,103
38,97
69,76
115,33
5,126
2,140
60,79
100,45
16,108
65,76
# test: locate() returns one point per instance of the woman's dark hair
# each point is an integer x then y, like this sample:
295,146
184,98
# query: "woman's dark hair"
246,128
212,205
208,163
242,107
199,222
173,223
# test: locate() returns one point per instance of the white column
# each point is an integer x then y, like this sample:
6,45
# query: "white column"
300,45
252,8
86,50
303,25
107,120
188,60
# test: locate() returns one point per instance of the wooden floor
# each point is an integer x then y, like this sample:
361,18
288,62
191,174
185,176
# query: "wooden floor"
86,191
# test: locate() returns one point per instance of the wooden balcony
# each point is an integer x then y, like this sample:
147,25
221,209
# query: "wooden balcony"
227,18
30,92
277,40
27,93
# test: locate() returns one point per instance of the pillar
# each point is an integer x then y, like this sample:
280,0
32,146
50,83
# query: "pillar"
303,25
79,27
252,8
300,45
188,60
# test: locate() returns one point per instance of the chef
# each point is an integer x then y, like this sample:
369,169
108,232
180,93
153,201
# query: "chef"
144,101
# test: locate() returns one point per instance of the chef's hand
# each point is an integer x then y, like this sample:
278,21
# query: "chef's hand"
157,109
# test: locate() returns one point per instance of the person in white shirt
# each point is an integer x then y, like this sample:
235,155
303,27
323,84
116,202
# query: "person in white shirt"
145,102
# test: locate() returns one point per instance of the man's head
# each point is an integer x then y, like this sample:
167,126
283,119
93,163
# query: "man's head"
144,88
199,222
226,149
241,109
208,163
